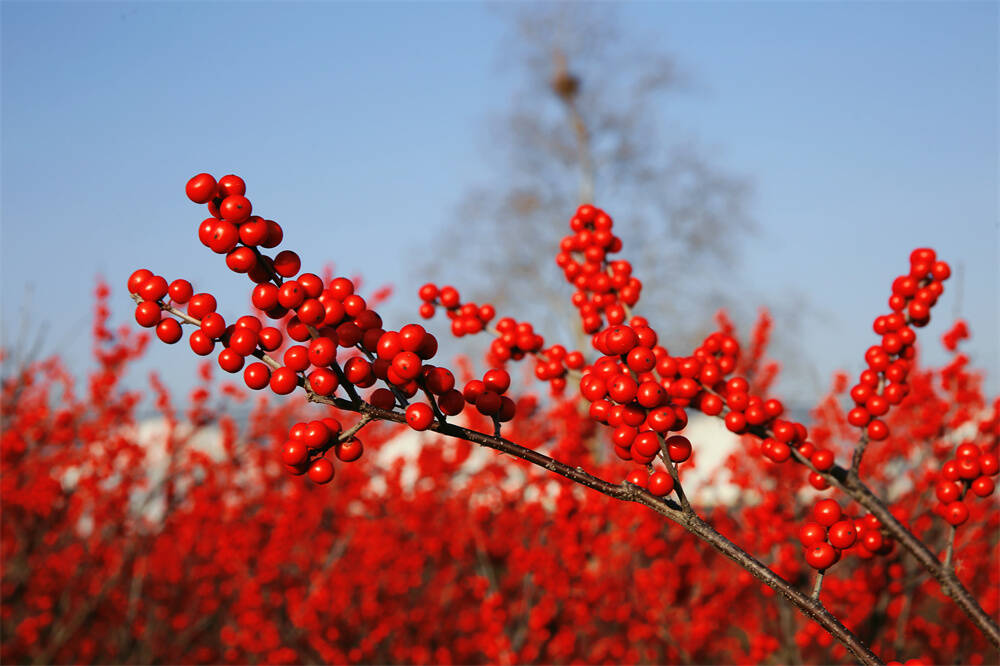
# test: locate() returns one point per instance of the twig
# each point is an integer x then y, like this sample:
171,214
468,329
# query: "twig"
818,585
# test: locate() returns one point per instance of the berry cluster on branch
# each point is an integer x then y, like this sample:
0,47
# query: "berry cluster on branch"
628,382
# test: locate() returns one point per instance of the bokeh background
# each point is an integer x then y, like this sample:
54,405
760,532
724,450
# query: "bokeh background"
399,141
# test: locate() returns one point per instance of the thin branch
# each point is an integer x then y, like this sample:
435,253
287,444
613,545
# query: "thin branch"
950,551
818,585
859,452
631,493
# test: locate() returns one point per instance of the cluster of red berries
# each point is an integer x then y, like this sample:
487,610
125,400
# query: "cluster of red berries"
830,533
153,290
883,384
234,231
466,318
604,289
305,450
554,363
658,482
514,340
625,394
486,395
957,333
324,316
970,469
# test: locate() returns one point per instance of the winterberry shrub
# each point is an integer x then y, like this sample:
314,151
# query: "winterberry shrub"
580,544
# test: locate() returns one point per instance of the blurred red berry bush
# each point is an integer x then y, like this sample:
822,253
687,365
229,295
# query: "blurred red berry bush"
212,538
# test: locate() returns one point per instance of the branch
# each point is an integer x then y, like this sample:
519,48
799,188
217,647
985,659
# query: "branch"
851,485
630,493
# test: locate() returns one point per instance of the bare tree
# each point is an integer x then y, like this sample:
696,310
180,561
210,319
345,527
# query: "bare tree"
583,128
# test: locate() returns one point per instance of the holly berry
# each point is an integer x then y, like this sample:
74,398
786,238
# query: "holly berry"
321,471
419,416
842,534
169,331
826,512
148,314
660,483
257,376
821,556
201,188
350,450
283,380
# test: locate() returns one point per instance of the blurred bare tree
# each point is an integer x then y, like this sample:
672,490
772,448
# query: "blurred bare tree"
583,128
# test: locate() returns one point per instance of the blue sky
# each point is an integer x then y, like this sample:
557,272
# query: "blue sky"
865,129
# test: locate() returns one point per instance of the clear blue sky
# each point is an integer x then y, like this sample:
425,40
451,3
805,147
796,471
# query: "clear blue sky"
866,129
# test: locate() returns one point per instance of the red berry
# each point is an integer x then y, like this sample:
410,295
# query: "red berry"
201,343
497,380
660,483
382,398
274,234
311,312
290,295
878,430
858,417
213,325
956,513
180,291
811,534
646,444
620,340
148,314
257,376
201,188
419,416
983,486
269,338
817,481
407,365
230,184
947,491
296,358
254,231
842,534
230,361
872,539
169,331
350,450
200,305
452,402
295,452
241,260
287,264
678,448
488,403
826,512
323,381
321,471
821,556
638,478
822,459
224,237
154,288
283,381
137,279
968,467
235,208
243,341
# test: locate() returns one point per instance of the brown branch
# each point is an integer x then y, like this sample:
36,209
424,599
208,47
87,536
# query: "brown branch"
630,493
952,587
